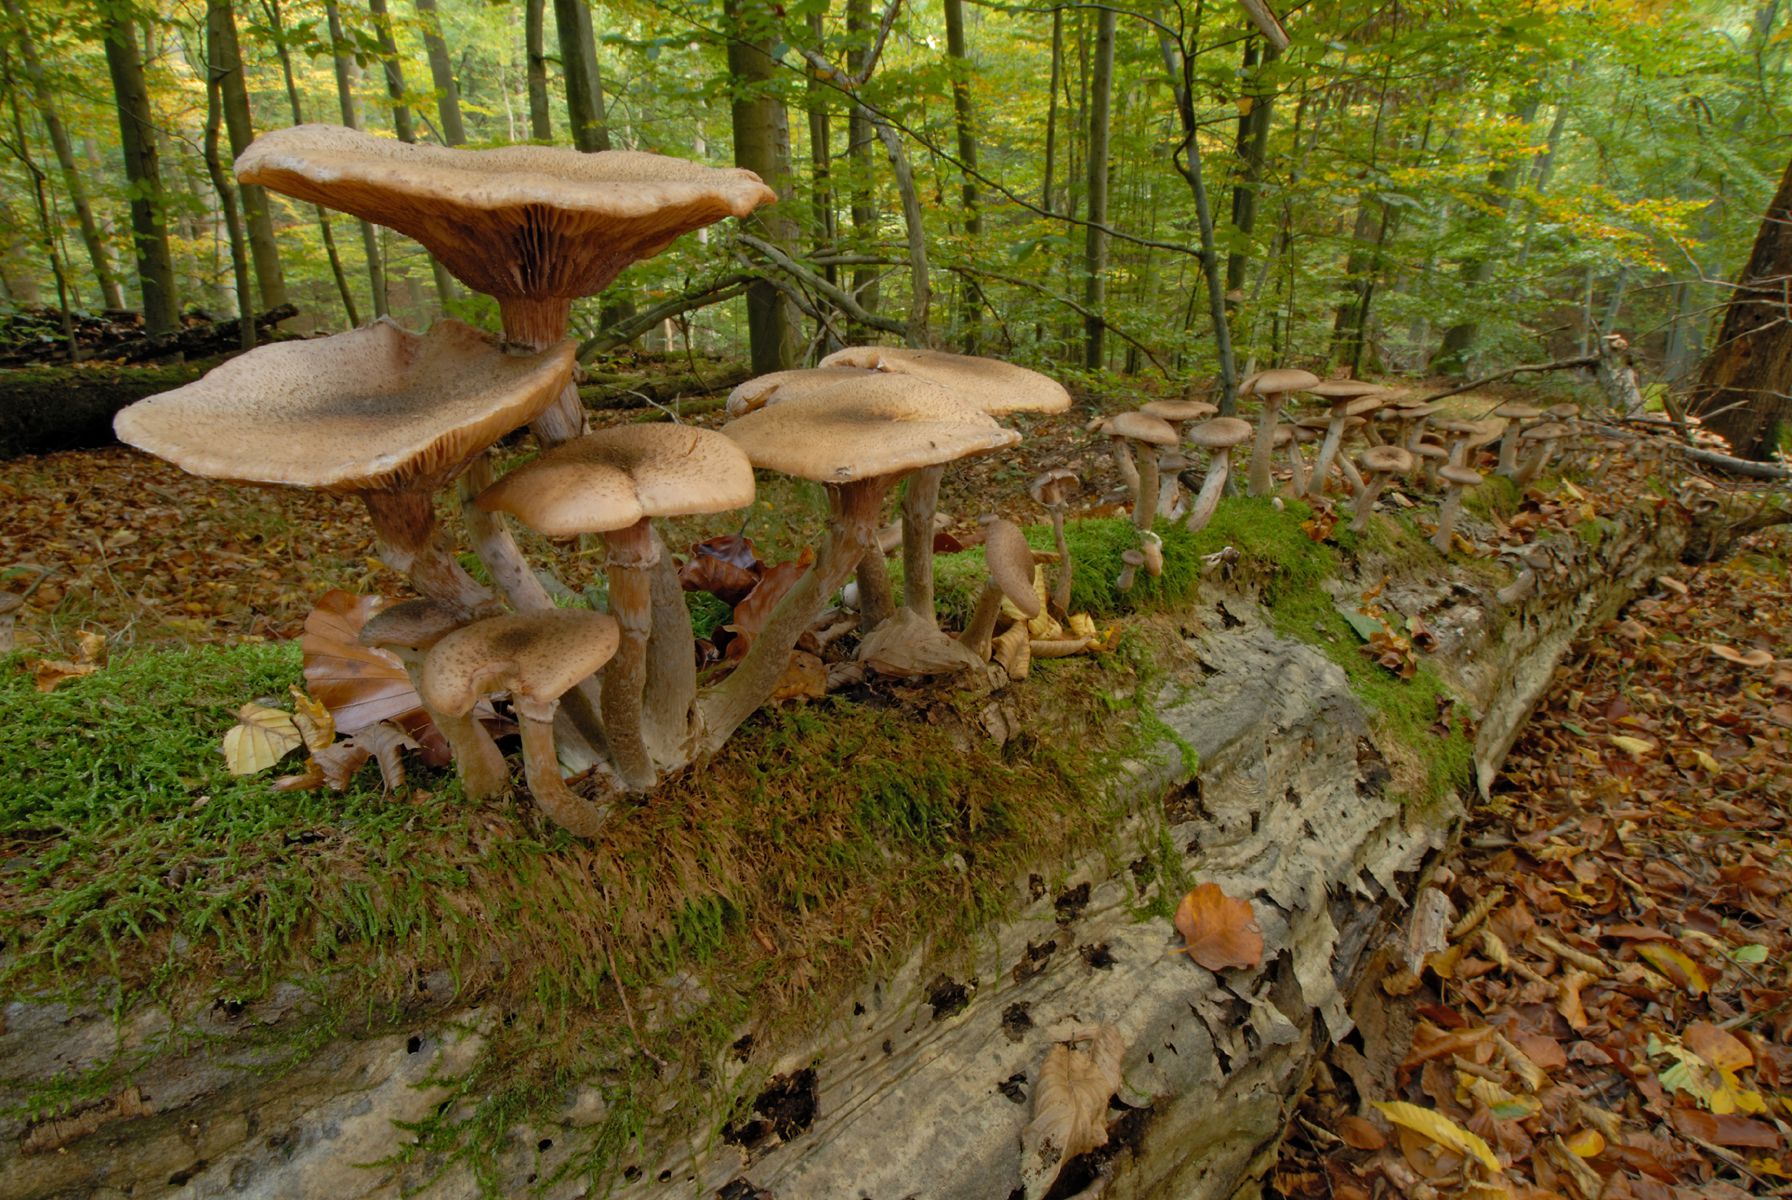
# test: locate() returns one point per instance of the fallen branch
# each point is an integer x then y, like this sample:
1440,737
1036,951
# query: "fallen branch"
835,294
627,330
1735,466
1561,364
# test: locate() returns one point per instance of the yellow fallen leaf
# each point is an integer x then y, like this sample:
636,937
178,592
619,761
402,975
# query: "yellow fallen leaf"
1436,1127
1707,762
1633,746
1588,1143
262,737
315,724
1082,625
1676,966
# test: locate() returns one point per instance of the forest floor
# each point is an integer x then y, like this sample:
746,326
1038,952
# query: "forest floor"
1605,999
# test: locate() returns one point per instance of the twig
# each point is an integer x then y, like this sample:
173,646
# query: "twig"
1561,364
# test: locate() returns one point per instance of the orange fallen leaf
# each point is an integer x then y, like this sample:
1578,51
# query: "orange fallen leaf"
1220,932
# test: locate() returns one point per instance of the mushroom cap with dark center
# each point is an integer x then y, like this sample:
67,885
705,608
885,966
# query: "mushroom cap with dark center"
1411,411
410,625
989,384
372,409
1548,431
779,386
534,656
1179,410
1010,562
530,222
1430,450
1518,412
1054,487
1345,389
883,424
1460,476
612,478
1276,381
1390,459
1221,432
1137,426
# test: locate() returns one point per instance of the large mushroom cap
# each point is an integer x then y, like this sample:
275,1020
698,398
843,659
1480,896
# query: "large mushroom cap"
883,424
1548,431
410,625
1345,389
1179,410
1460,476
519,221
779,386
1138,426
1010,562
1386,458
612,478
1221,432
534,656
1277,380
996,387
375,408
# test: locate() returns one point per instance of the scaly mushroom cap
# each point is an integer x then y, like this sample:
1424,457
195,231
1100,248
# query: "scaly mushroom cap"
1431,450
1137,426
1411,410
1460,476
410,625
612,478
1179,410
1385,459
1053,488
1222,432
779,386
529,222
375,408
1276,381
534,656
882,424
1010,562
996,387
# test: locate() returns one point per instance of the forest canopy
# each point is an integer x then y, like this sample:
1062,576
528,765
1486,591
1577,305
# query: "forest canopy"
1382,186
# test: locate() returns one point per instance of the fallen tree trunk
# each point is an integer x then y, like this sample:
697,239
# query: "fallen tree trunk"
921,1088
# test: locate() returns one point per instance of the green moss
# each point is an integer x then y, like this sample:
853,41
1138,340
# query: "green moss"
1592,531
1496,496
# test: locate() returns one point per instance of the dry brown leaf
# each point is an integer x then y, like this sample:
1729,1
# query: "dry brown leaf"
52,673
1360,1134
1219,932
261,737
1070,1104
313,719
805,678
386,742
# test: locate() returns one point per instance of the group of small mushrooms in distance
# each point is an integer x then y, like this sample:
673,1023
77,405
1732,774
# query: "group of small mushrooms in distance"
395,417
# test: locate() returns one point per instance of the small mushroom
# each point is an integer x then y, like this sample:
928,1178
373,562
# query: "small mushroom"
1053,490
1382,463
1457,480
1545,437
1429,455
1150,434
1514,416
1218,435
1349,398
537,658
1010,562
1129,574
1273,385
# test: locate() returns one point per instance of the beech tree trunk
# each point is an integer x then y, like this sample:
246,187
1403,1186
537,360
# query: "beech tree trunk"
584,83
1746,383
346,71
762,145
541,123
1253,142
258,222
142,168
219,62
861,157
441,73
967,154
1095,244
402,122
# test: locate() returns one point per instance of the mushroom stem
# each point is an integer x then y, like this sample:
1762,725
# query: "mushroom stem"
1144,504
632,558
979,630
1508,449
1207,501
1533,466
410,541
477,759
538,324
852,531
1297,466
1061,586
671,665
541,768
877,595
1264,448
920,499
496,548
1446,519
1365,499
1328,450
1352,477
1129,471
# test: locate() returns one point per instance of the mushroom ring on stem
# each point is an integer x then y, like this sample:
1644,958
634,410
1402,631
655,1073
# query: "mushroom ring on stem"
992,387
858,438
614,482
534,227
378,412
1219,436
1273,385
537,658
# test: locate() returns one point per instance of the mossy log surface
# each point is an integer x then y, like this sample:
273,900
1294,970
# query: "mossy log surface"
44,410
1263,765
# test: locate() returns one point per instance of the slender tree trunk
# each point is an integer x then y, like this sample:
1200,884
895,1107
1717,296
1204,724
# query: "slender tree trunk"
1179,64
762,145
1253,143
277,24
258,221
584,83
860,157
960,63
402,123
346,70
441,73
821,187
45,223
1745,382
110,294
149,230
1051,110
541,122
219,62
1095,245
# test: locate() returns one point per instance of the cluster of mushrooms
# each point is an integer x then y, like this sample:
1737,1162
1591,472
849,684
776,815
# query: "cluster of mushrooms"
1399,440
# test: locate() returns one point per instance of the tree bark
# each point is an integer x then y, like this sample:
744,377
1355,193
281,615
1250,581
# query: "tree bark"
860,159
1095,244
258,222
346,70
220,61
541,123
110,294
821,186
402,123
967,154
1253,143
142,168
441,74
1051,110
1745,381
584,82
762,145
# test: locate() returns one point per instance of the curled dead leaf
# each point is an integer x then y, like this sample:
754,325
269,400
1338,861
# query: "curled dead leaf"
1070,1104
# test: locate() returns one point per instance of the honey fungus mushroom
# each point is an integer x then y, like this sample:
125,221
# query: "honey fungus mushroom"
1273,385
379,412
614,482
534,227
1010,563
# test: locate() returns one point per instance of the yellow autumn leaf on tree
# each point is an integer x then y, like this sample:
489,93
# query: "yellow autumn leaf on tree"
262,737
1436,1127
